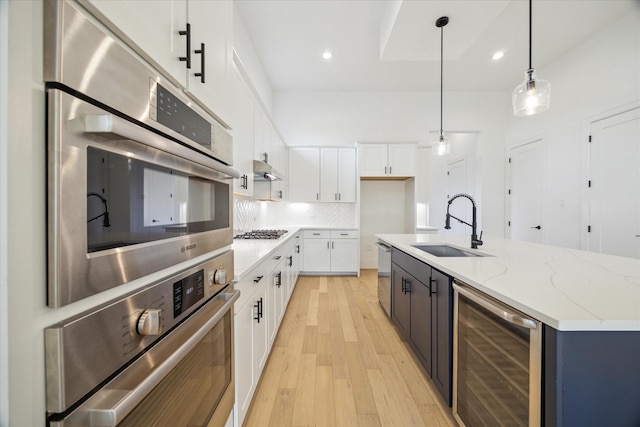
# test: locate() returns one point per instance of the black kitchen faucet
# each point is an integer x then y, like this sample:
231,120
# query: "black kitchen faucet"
475,240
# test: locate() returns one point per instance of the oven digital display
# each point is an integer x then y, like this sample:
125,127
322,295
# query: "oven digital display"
176,115
187,292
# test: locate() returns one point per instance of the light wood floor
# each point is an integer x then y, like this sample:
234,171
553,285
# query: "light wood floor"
338,361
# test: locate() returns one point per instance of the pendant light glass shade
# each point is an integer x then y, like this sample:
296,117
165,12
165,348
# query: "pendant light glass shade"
441,146
532,96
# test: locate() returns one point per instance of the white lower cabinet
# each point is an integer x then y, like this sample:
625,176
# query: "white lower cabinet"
331,251
265,293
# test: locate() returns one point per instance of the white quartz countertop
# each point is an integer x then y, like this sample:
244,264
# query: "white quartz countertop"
567,289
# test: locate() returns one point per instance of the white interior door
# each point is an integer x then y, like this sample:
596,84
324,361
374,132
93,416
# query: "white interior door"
461,208
526,192
614,171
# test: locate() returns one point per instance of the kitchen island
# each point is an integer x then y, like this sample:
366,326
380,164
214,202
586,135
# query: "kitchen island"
589,305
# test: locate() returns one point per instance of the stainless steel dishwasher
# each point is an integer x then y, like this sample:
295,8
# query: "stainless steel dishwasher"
384,276
496,362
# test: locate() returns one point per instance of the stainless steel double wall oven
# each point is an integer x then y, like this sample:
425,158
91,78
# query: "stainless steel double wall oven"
139,182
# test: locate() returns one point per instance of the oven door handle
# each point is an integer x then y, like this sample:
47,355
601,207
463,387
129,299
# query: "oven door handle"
499,310
110,124
111,417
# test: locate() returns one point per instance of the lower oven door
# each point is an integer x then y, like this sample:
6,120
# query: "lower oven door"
186,379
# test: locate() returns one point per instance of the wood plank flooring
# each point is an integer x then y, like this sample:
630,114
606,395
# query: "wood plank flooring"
338,361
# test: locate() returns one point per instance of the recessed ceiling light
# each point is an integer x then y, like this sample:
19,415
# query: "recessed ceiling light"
327,55
499,54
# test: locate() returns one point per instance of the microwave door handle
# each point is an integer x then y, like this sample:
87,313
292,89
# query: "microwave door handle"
110,124
111,417
499,311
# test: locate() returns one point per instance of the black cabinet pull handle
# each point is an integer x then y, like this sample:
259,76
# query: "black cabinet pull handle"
257,279
407,286
202,59
290,258
297,249
434,285
279,279
187,33
260,309
403,285
537,227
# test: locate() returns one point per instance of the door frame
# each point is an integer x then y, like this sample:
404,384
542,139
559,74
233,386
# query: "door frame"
586,165
507,198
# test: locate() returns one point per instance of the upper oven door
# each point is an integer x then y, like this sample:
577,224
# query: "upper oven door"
124,201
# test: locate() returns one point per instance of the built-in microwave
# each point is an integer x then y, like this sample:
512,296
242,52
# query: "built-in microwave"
139,177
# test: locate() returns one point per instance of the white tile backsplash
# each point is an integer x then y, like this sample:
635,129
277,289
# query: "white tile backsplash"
251,214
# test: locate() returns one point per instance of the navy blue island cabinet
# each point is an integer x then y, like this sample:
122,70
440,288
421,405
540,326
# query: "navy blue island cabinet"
591,378
422,310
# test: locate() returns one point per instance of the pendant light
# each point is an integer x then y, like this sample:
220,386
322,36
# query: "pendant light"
441,146
531,96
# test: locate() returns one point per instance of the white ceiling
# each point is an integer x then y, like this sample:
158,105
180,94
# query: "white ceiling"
380,45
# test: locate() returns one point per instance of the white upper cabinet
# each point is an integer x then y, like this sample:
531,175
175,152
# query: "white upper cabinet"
160,30
387,160
210,76
304,174
322,174
242,135
338,175
262,134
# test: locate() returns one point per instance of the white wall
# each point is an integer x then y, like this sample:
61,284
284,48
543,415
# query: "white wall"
342,118
600,75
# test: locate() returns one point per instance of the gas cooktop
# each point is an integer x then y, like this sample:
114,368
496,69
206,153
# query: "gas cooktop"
261,234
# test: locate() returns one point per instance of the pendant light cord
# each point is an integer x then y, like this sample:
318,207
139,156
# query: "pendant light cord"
441,73
530,9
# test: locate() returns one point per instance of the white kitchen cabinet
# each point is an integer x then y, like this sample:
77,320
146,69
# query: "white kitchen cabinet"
338,175
264,295
278,157
387,160
262,135
243,135
251,349
304,174
331,251
276,298
157,30
151,27
210,75
322,174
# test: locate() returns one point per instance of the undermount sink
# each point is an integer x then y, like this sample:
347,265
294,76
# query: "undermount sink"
446,251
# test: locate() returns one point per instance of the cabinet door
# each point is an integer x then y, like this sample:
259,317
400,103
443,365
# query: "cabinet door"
442,333
328,174
304,174
260,337
400,300
261,135
402,159
242,135
347,175
275,301
211,25
372,159
243,339
344,255
317,255
152,28
277,156
420,323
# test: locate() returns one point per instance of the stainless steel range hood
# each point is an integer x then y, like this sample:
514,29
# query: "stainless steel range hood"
263,171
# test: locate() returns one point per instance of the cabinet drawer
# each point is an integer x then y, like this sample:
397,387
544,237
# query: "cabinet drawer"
250,284
344,234
416,268
317,234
